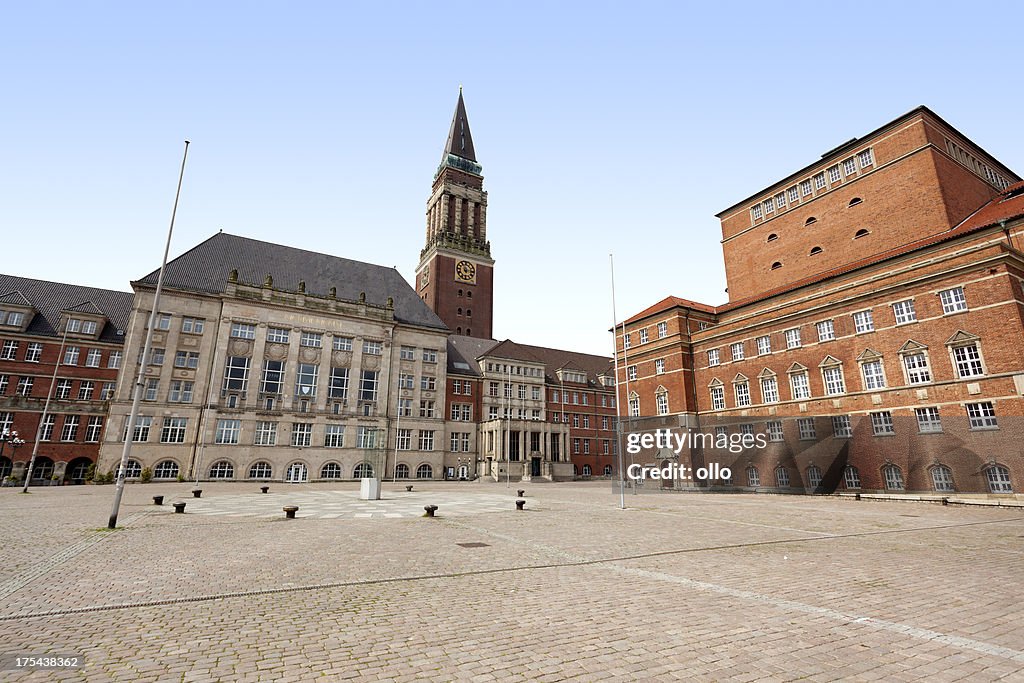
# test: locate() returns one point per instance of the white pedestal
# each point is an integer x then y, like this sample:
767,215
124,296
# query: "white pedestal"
369,489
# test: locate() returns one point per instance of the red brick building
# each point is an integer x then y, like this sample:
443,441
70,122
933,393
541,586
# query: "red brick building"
875,330
33,317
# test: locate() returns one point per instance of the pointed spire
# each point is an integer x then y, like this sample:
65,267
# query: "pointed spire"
460,140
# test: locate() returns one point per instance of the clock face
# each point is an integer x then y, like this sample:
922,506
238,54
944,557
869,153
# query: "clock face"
465,270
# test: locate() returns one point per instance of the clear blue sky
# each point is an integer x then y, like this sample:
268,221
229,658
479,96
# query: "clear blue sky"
602,127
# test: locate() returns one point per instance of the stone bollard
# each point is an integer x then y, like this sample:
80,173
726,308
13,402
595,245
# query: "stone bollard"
179,508
408,488
521,493
264,489
290,510
197,493
431,509
158,500
520,504
945,501
856,496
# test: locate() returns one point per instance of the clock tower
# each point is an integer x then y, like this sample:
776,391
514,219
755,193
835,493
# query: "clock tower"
455,276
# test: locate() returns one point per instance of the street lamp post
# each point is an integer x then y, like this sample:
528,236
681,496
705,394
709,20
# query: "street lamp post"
10,436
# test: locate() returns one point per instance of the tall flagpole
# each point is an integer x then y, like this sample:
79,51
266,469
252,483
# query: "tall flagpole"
46,407
508,419
618,399
140,375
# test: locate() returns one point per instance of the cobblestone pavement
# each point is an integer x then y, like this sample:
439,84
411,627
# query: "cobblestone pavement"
676,587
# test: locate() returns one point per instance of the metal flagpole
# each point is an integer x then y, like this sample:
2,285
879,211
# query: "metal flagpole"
618,399
508,430
140,375
46,407
629,405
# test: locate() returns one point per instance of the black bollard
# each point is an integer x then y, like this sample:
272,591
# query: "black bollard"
520,504
197,493
158,500
431,509
179,508
290,510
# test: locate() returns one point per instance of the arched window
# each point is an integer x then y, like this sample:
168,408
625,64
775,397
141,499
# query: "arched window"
424,471
942,478
6,466
469,331
781,477
458,330
331,470
132,470
776,265
772,237
222,469
469,294
810,221
260,470
861,233
815,251
469,312
998,479
814,476
855,201
166,469
363,470
607,470
459,311
851,477
893,476
586,470
753,476
44,468
401,471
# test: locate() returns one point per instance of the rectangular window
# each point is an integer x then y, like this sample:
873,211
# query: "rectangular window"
737,351
462,412
35,351
866,158
834,176
631,372
93,429
302,434
982,415
643,336
266,434
805,425
834,384
826,330
406,381
404,440
277,335
366,437
627,341
429,383
662,330
338,387
46,433
426,440
114,360
243,331
85,390
863,322
173,430
342,344
874,378
140,434
313,340
953,300
770,390
108,391
92,359
793,338
236,374
928,420
405,407
25,385
713,357
228,431
805,188
70,430
904,312
372,347
742,390
272,380
800,385
841,427
426,409
774,429
192,325
70,355
780,201
407,353
10,350
794,195
819,181
152,386
535,393
659,366
968,361
186,359
718,398
917,368
305,380
849,167
63,389
756,212
881,423
769,207
429,355
764,345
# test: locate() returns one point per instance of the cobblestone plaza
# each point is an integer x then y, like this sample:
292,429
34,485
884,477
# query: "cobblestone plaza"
677,586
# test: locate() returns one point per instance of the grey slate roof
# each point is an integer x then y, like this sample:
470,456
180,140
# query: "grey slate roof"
466,350
205,268
50,298
469,349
